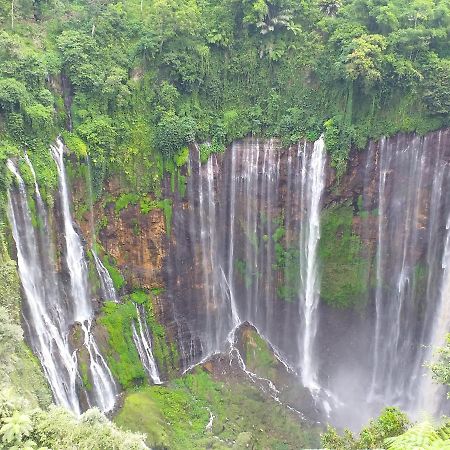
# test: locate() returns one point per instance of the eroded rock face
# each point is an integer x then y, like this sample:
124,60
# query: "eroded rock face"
137,243
234,247
136,240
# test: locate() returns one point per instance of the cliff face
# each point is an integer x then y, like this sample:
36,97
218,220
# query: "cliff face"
238,251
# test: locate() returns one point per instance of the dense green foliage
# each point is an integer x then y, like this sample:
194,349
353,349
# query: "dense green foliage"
177,416
123,358
423,435
391,422
120,350
440,368
391,431
140,81
56,428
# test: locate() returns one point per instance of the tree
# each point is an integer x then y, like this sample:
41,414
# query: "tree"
363,58
16,427
391,422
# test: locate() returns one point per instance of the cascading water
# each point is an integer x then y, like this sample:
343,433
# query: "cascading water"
42,310
104,389
431,394
410,289
312,185
251,226
106,283
143,343
239,232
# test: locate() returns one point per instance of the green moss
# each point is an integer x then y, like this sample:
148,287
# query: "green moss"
166,206
165,352
75,144
244,272
116,277
287,262
84,372
181,185
259,358
344,266
122,356
182,157
125,200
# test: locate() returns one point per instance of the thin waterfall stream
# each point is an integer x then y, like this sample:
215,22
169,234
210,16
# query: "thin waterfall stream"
104,386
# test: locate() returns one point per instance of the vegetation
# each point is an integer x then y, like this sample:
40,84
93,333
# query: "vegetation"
391,422
164,351
391,431
114,273
177,416
122,356
137,83
131,86
441,367
120,350
344,265
25,428
259,357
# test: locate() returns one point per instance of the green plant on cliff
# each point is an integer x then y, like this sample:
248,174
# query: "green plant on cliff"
119,348
121,353
344,266
116,277
259,357
287,262
174,72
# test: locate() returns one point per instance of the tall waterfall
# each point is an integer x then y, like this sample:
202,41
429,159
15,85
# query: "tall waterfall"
311,189
50,311
411,294
46,324
106,283
246,249
246,230
104,387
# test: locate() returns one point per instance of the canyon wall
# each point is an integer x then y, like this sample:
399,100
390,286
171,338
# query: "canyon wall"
346,279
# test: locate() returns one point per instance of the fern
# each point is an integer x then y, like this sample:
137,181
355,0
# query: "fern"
422,436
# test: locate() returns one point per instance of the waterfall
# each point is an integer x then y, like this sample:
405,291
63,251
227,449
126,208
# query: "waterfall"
236,220
430,393
143,343
42,309
411,293
251,220
312,185
104,387
106,283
